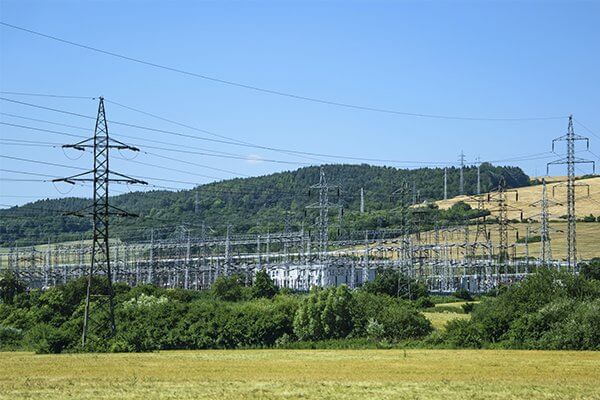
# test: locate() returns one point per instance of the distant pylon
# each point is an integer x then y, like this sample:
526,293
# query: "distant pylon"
478,175
322,221
570,160
99,317
546,248
445,183
461,184
362,201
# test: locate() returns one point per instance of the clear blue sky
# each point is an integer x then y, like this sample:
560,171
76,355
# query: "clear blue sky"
471,59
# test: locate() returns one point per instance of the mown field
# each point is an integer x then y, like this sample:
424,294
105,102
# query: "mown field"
304,374
585,205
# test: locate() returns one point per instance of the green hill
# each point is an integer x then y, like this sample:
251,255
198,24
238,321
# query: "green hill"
248,204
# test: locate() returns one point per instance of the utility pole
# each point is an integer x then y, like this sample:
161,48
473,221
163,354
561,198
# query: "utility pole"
99,302
196,202
478,175
445,183
570,160
362,201
227,250
461,185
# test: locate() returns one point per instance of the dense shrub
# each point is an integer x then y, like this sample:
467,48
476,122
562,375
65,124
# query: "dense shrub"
591,269
263,285
463,294
325,314
45,339
10,338
228,288
395,284
10,287
563,324
463,333
402,322
547,310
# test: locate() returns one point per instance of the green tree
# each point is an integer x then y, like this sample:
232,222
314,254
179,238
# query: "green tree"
263,285
227,288
10,286
591,270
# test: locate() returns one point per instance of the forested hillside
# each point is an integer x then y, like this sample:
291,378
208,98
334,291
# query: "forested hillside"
250,204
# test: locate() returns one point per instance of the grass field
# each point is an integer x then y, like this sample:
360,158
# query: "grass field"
585,205
439,319
304,374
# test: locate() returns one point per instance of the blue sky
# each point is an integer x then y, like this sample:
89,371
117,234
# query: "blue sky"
466,59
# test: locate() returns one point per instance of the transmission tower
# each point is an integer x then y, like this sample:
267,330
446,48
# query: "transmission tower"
544,203
502,209
570,160
323,206
406,265
99,317
461,184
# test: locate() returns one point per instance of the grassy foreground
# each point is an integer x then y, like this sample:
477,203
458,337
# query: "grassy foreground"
303,374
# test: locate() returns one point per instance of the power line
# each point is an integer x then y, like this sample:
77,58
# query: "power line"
334,156
44,121
206,152
41,130
198,129
41,162
265,90
27,173
48,95
586,128
229,142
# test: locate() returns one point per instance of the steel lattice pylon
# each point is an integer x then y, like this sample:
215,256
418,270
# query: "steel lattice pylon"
545,245
99,318
570,160
322,220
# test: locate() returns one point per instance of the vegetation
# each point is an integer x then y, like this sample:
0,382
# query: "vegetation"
230,315
548,310
249,204
301,374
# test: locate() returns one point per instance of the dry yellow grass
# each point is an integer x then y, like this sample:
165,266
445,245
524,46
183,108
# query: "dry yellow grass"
440,319
588,234
528,195
588,239
311,374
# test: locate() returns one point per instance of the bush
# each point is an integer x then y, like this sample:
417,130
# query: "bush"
10,338
227,288
590,270
263,285
403,322
395,284
564,324
424,302
463,333
468,307
10,287
325,314
463,294
375,330
47,339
